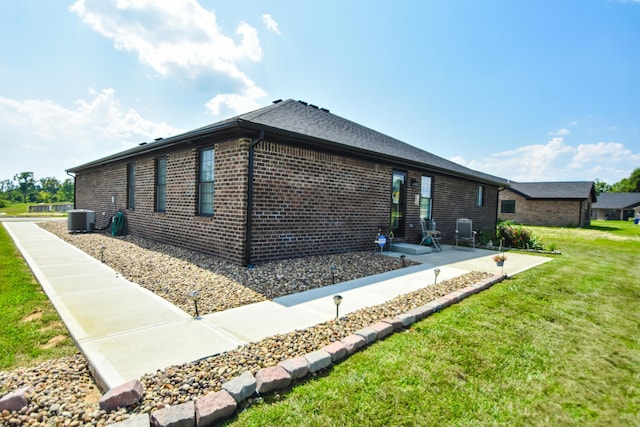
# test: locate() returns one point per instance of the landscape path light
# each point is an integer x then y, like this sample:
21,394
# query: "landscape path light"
337,299
333,274
436,272
195,296
403,257
102,248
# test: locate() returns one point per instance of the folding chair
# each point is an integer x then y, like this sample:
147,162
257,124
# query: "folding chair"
465,232
430,236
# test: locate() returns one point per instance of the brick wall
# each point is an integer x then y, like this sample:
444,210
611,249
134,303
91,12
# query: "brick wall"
306,202
309,202
455,198
95,189
221,235
557,213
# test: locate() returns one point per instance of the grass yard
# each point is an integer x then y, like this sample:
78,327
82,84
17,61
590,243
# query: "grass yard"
30,329
556,345
22,209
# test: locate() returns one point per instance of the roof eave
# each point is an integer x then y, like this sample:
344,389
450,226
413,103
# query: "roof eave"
239,125
151,147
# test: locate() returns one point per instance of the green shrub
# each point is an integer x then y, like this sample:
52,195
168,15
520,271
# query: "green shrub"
516,236
486,236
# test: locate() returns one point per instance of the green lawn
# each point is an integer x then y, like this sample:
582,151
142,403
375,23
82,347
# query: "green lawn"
30,329
22,209
556,345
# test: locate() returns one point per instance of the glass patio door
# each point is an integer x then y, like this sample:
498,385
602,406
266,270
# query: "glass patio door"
398,190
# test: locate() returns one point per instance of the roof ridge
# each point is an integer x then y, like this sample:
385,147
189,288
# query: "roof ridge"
251,115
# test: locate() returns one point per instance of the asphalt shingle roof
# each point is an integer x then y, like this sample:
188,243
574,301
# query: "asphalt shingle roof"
617,201
305,122
555,190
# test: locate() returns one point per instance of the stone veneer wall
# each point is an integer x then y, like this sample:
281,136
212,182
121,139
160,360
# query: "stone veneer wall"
306,202
555,213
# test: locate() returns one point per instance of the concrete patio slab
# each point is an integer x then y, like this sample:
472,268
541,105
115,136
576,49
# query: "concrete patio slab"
131,354
125,330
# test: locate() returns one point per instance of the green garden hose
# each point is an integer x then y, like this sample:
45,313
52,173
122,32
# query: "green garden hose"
117,225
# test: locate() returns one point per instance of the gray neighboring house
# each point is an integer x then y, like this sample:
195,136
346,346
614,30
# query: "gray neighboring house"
548,203
619,206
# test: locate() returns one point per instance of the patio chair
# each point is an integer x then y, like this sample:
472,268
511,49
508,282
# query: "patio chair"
430,236
465,232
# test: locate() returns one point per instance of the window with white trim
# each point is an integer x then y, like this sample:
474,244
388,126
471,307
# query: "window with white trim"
425,197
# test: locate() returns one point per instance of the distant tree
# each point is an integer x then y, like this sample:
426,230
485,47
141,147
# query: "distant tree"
44,197
67,191
601,186
16,196
7,186
24,188
27,185
628,185
50,184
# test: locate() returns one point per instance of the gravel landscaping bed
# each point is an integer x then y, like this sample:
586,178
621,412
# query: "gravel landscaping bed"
173,272
63,392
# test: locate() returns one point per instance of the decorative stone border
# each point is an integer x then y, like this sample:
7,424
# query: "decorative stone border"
217,406
533,251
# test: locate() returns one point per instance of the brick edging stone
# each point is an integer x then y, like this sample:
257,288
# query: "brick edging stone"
217,406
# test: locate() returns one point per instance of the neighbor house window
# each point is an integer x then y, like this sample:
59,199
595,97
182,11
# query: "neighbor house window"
161,184
480,195
507,206
131,186
205,182
425,197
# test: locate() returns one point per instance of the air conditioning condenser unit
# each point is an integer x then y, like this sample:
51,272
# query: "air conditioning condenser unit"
81,221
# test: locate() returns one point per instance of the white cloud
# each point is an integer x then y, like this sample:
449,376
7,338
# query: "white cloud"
236,102
558,161
47,138
176,38
602,153
270,23
560,132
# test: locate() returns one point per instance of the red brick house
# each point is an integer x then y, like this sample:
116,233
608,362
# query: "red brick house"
286,180
548,203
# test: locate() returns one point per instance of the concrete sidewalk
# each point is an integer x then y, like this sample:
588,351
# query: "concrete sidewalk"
125,331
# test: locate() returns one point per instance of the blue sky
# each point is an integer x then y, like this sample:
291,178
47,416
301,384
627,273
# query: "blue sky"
525,90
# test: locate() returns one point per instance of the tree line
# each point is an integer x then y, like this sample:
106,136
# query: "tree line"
24,188
625,185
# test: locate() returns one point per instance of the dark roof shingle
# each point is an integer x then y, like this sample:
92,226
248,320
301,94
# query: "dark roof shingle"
555,190
299,120
617,201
